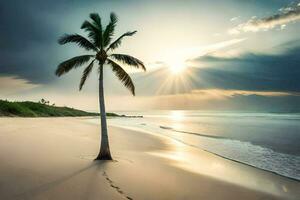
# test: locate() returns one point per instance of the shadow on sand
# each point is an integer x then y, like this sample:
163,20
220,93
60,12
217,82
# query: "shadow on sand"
97,165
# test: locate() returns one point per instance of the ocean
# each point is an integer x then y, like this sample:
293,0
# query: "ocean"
268,141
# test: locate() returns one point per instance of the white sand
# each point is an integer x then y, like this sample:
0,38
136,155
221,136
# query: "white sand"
52,158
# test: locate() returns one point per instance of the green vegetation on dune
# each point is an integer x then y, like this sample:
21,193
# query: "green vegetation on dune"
33,109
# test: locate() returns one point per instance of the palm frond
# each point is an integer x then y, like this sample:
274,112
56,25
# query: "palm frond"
94,32
118,41
85,74
122,75
129,60
78,39
109,30
96,20
75,62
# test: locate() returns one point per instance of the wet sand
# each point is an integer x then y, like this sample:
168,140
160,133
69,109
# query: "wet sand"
52,158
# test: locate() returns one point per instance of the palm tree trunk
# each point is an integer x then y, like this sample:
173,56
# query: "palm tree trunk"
104,153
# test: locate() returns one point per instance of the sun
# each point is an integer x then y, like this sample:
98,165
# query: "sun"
177,66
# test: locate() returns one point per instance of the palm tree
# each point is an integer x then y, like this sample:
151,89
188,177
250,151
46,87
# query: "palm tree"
100,42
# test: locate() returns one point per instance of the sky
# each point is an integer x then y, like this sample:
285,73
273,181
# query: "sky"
199,54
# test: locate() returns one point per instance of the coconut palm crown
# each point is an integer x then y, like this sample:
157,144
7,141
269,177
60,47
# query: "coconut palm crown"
100,42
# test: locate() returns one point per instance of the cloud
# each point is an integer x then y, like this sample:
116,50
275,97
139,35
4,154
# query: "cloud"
286,15
234,18
28,36
249,102
178,57
222,45
10,85
252,71
230,93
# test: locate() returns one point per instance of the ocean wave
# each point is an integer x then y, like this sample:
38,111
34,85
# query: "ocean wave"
192,133
244,152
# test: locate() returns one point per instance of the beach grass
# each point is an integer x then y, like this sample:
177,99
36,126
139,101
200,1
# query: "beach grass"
37,109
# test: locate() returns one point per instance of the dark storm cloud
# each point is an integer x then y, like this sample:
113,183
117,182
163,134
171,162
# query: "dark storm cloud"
28,35
255,72
25,22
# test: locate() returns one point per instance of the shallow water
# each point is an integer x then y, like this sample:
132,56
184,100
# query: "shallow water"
263,140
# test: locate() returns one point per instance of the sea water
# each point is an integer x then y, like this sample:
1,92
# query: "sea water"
267,141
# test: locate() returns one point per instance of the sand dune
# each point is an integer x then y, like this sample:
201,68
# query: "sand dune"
52,158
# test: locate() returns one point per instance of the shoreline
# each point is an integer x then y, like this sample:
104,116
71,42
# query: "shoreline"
196,147
234,160
201,149
249,165
147,167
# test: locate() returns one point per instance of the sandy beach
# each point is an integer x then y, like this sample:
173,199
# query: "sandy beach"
52,158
